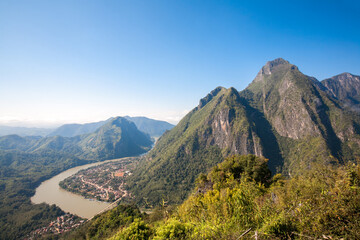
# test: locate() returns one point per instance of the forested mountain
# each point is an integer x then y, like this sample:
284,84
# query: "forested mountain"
117,138
283,115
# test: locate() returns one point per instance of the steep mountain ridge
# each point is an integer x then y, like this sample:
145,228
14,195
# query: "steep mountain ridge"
284,115
300,110
222,124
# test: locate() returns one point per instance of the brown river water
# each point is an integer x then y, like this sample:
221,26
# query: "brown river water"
50,192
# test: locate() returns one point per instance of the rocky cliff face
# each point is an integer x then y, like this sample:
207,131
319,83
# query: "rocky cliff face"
216,128
300,109
286,97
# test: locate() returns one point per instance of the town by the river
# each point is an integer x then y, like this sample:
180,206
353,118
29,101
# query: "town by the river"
51,193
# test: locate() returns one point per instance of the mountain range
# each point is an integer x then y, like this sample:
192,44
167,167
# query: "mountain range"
284,115
118,137
155,128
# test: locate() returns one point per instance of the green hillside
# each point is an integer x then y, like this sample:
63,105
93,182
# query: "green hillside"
238,199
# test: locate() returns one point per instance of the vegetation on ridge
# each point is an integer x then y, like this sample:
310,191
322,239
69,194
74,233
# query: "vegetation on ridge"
238,197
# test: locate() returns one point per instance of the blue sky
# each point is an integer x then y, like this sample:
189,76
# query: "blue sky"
82,61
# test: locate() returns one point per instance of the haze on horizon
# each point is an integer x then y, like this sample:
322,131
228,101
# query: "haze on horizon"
84,61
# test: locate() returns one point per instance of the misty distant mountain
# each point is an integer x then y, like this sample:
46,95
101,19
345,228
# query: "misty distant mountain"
155,128
72,130
24,131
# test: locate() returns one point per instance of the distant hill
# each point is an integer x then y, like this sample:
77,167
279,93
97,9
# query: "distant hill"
24,131
117,138
155,128
283,115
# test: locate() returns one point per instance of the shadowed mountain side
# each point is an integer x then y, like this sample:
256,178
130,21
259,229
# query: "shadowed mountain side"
263,129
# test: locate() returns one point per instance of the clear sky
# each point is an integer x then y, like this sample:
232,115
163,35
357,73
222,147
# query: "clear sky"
67,61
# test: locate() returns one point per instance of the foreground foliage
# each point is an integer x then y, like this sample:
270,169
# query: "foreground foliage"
107,224
239,195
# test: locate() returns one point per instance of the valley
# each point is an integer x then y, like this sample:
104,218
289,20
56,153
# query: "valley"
27,162
264,158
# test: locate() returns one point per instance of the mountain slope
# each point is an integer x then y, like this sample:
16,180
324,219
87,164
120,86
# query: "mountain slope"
220,126
283,115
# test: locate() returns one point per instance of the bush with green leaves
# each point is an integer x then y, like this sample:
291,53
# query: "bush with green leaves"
137,230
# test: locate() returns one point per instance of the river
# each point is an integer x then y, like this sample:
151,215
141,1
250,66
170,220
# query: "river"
50,192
